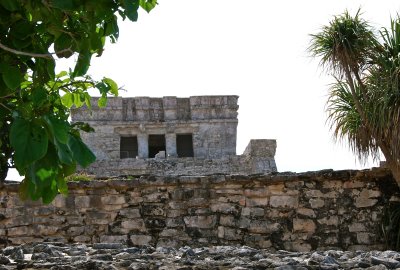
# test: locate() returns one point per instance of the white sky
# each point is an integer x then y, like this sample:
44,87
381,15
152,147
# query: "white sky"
255,49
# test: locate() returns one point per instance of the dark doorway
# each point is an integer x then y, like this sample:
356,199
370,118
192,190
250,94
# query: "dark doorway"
128,147
156,144
184,145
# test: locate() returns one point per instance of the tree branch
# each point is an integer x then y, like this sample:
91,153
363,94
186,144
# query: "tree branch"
37,55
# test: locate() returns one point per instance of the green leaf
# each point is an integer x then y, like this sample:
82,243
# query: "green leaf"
64,4
49,192
64,46
102,102
112,85
29,141
81,153
62,74
131,9
67,100
148,5
64,153
59,128
62,185
82,64
68,169
11,5
12,77
39,96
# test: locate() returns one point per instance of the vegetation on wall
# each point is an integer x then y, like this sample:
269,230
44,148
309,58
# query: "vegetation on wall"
364,102
35,135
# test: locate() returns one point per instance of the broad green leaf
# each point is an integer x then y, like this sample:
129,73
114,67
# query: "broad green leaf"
51,66
59,128
39,96
67,100
82,64
49,191
78,100
62,185
29,141
148,5
62,74
112,85
131,9
102,102
23,189
64,153
68,169
81,153
12,77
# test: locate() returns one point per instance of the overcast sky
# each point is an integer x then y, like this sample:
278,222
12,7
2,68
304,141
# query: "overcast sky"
254,49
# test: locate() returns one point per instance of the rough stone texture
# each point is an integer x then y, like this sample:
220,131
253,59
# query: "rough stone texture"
276,211
212,121
111,256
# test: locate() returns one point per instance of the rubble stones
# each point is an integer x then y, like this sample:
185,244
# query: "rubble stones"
108,256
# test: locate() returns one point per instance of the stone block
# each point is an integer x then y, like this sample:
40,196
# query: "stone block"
364,199
229,233
74,231
153,210
257,202
298,246
306,212
330,221
304,225
201,222
113,239
135,224
82,201
284,201
316,203
113,199
130,213
20,231
227,220
140,240
225,208
357,227
253,211
364,238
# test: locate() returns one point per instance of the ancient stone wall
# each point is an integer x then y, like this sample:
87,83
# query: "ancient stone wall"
301,212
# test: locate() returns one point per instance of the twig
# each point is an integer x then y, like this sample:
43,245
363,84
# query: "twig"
38,55
5,107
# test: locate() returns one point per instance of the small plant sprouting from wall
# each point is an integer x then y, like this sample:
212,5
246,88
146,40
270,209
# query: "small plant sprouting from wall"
79,177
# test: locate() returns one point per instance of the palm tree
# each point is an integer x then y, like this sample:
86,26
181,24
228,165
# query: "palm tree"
364,102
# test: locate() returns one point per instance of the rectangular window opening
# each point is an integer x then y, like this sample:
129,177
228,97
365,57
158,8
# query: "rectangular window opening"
128,147
156,144
184,145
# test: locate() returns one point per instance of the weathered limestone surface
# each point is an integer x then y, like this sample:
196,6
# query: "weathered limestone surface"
300,212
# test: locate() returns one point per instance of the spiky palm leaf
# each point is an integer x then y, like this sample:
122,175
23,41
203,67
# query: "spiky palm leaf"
344,44
346,123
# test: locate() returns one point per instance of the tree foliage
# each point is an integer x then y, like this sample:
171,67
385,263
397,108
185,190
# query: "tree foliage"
35,102
364,102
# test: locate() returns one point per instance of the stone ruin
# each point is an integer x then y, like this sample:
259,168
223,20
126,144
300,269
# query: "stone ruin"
171,136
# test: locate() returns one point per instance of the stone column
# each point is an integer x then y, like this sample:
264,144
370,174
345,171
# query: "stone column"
143,145
170,144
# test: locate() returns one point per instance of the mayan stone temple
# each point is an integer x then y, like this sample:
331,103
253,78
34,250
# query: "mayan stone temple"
171,136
